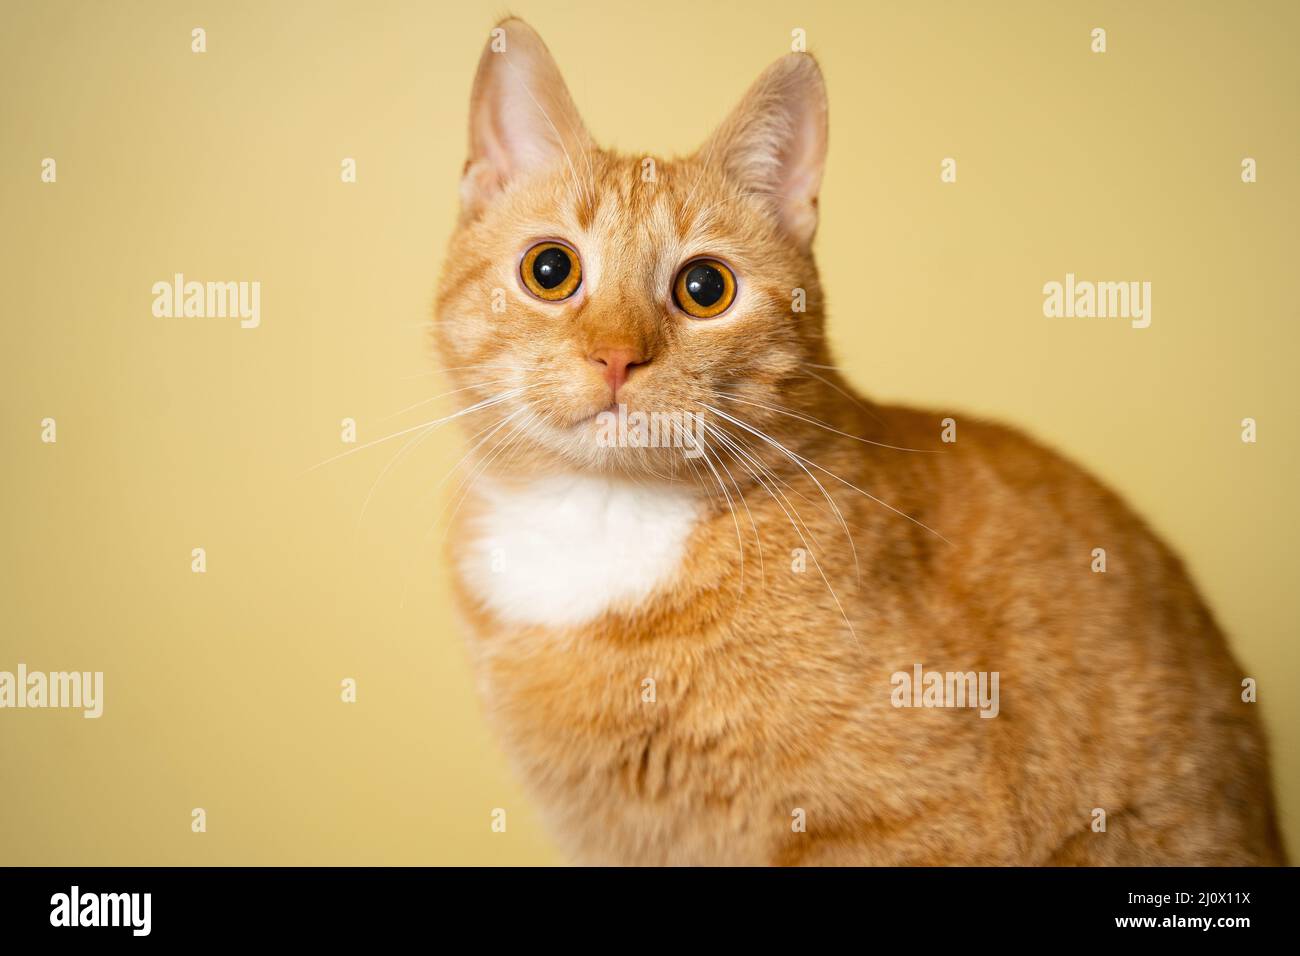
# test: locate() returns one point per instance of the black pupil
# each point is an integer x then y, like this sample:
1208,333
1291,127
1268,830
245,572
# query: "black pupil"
551,267
704,284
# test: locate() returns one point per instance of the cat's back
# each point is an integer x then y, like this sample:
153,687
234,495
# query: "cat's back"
1119,664
1038,535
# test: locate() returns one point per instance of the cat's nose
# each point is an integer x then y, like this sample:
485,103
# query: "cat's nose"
618,361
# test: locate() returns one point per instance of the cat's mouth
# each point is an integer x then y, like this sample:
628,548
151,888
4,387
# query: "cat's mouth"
595,417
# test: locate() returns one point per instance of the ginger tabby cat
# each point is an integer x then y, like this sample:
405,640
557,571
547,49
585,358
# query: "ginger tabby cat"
691,651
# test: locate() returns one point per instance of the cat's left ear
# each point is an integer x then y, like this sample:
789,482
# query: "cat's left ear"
774,142
522,118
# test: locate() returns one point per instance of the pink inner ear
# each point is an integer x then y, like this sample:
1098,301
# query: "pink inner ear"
802,165
505,133
521,116
496,124
775,141
801,173
526,138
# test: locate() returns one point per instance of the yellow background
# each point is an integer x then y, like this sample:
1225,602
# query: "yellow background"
222,689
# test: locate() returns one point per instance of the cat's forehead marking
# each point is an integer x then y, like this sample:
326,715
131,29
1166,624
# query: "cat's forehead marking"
671,211
631,232
636,232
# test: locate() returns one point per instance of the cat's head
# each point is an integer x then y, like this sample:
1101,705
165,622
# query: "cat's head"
580,279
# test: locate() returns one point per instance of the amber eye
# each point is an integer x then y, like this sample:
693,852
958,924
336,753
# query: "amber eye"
704,288
551,271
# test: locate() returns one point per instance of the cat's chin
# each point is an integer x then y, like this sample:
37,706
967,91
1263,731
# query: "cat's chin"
582,452
606,439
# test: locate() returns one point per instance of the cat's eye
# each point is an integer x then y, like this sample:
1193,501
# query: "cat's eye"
705,288
551,271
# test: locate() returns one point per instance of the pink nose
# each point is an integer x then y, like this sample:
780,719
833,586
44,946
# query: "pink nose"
617,363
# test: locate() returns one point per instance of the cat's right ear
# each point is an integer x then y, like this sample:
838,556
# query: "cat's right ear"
521,117
774,142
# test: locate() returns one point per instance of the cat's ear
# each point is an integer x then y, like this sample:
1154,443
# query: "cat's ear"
774,142
521,117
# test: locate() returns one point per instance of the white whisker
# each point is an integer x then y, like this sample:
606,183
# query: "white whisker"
812,551
820,424
426,401
829,500
477,406
795,456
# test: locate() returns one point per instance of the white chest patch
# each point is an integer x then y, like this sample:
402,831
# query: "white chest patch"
562,550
